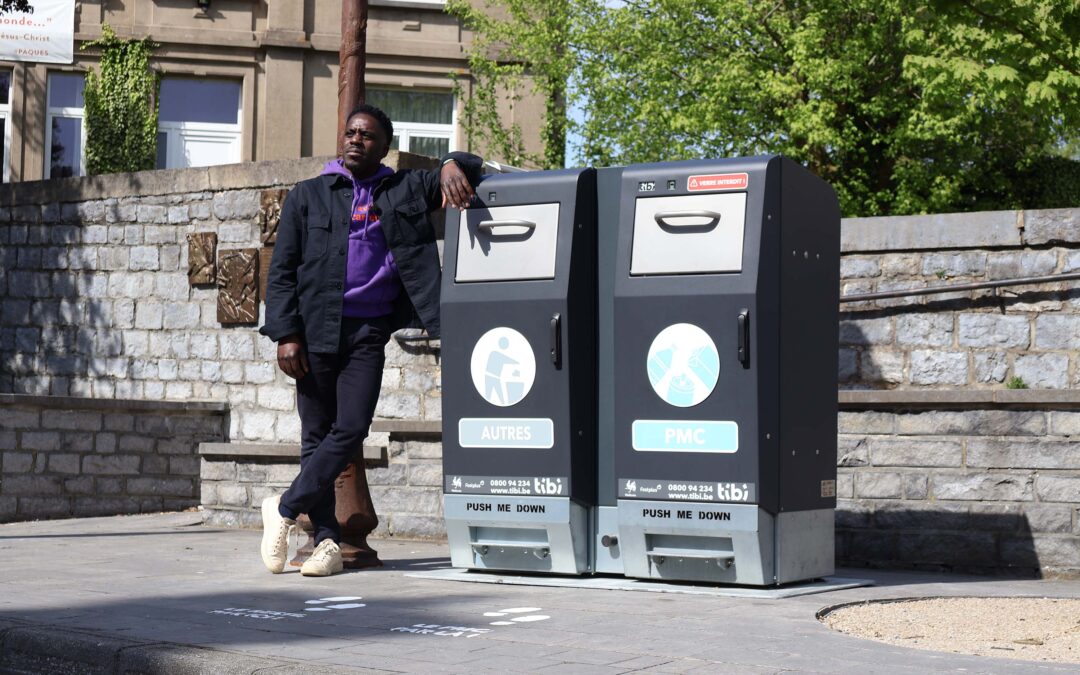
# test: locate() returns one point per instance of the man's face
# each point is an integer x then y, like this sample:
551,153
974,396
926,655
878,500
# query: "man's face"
364,145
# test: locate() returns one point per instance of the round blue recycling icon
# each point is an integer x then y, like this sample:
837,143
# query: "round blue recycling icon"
683,365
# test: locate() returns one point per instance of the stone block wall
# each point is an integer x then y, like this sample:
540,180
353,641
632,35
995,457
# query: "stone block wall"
950,468
405,479
407,487
975,339
95,299
236,477
62,456
988,488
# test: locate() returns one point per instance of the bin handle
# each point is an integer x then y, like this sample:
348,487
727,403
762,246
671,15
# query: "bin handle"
663,219
556,340
492,225
744,337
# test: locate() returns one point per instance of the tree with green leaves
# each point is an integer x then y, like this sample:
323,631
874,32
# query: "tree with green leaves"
15,6
1009,71
946,105
520,47
121,104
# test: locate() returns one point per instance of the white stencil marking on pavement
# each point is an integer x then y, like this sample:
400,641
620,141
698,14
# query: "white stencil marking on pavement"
246,613
512,610
462,631
517,619
338,598
342,602
435,629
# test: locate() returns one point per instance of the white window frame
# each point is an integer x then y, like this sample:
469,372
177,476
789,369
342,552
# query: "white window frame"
177,132
411,4
5,114
50,114
406,130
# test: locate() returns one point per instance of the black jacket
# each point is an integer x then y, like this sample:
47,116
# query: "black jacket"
305,285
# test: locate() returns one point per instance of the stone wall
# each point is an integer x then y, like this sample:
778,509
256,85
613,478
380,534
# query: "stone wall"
62,456
949,468
405,478
96,304
975,339
96,300
407,486
958,483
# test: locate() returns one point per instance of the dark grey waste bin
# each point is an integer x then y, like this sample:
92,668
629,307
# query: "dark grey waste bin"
724,386
518,373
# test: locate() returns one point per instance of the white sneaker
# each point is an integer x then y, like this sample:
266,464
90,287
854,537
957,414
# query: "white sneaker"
275,539
326,560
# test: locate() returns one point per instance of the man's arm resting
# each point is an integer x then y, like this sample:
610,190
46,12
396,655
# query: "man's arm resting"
472,165
458,176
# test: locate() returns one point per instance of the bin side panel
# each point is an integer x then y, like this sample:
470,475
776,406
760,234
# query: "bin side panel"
809,335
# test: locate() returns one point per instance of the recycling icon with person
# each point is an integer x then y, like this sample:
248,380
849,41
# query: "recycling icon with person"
503,367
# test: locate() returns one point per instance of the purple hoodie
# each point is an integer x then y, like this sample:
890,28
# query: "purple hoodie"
371,277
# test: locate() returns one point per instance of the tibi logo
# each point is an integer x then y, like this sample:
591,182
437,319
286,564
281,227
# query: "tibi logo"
546,486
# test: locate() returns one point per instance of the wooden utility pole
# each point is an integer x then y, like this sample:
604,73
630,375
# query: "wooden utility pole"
354,508
351,60
355,511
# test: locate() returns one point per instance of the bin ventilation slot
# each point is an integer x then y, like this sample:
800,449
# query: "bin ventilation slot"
502,542
673,547
541,552
508,536
661,555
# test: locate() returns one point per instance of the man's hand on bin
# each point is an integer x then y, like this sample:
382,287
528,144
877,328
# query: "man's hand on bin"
291,357
456,191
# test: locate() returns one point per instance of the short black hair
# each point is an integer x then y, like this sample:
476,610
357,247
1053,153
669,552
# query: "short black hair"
382,118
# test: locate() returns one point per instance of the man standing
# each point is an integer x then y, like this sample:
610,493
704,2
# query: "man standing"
355,260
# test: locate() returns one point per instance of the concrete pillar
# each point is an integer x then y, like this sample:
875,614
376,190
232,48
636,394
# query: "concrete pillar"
282,104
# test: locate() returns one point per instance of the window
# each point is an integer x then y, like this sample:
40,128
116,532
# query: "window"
198,122
65,135
423,120
5,126
412,4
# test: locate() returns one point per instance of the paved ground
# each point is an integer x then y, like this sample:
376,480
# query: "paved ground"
162,593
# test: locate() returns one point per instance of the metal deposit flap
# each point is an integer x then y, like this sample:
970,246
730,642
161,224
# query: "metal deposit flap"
690,234
508,243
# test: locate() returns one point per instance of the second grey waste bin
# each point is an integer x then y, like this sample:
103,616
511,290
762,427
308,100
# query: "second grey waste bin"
725,335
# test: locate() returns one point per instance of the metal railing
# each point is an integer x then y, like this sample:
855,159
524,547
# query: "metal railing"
883,295
956,288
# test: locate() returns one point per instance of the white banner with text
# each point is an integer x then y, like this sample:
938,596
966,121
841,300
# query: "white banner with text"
46,35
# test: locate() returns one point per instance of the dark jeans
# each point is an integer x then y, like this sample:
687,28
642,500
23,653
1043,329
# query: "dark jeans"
336,401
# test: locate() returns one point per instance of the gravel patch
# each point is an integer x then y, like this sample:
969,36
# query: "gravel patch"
1033,629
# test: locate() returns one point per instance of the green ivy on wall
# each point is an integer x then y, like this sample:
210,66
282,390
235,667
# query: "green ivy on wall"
121,106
